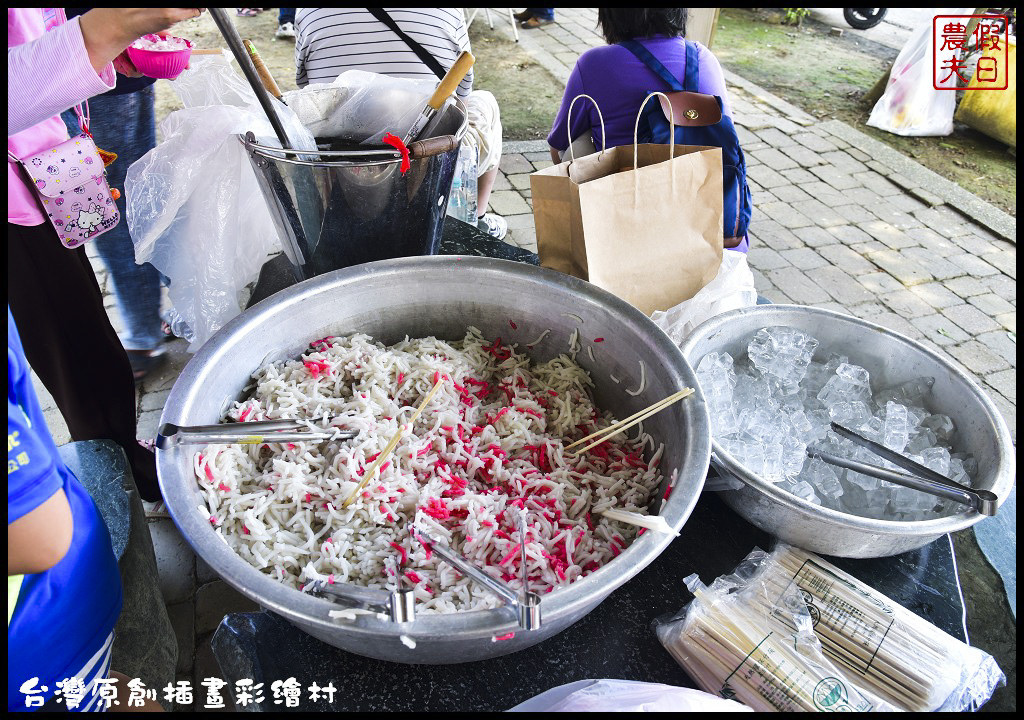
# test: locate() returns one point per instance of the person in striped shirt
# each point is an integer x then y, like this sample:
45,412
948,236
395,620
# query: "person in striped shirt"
330,41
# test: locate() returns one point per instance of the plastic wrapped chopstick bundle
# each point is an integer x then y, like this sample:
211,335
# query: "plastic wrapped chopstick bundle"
730,648
887,648
789,631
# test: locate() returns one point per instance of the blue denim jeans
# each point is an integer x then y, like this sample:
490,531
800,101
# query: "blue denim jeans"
543,13
125,124
285,15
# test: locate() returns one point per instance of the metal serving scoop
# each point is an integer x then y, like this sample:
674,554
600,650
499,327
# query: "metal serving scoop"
248,433
527,604
923,479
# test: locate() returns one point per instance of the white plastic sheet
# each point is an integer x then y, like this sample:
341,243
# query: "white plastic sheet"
194,208
626,696
732,288
361,107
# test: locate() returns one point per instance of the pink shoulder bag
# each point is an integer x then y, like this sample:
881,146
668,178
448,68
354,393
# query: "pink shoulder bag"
71,183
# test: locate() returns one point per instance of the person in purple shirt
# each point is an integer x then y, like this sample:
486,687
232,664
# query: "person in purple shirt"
619,82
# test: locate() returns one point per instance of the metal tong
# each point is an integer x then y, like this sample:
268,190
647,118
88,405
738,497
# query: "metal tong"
526,603
923,479
248,433
399,605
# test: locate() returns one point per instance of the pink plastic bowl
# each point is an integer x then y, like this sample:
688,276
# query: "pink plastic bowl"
162,64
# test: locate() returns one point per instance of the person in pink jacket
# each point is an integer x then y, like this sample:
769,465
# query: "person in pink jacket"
52,291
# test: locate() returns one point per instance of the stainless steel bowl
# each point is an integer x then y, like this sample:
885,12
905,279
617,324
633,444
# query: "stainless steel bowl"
890,358
441,296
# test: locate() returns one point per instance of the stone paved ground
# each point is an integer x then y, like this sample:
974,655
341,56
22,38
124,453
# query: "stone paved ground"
840,222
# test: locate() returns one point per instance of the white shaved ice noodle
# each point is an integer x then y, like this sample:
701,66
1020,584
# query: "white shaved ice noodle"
489,442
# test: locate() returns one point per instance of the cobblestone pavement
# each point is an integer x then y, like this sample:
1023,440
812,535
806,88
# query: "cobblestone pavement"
841,221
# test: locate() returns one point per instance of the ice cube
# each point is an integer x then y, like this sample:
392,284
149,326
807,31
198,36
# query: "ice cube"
773,465
823,478
753,457
958,473
801,427
915,414
895,432
821,421
756,422
854,498
873,429
723,421
794,453
716,376
908,500
850,383
911,392
751,392
782,352
717,362
921,440
802,489
819,373
865,482
936,458
970,465
941,425
850,414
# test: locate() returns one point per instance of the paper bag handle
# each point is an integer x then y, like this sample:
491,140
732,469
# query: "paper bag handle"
671,125
568,124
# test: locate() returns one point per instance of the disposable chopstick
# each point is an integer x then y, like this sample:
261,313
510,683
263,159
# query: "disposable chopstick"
617,427
623,425
891,671
661,403
391,445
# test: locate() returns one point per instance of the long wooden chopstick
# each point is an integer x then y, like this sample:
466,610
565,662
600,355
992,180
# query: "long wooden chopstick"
671,398
635,418
392,444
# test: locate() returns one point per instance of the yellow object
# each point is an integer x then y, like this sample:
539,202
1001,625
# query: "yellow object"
13,591
993,112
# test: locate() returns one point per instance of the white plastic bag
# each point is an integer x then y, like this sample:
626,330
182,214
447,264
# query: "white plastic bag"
360,107
626,696
910,104
194,208
733,287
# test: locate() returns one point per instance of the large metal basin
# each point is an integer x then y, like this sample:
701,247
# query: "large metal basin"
890,358
441,296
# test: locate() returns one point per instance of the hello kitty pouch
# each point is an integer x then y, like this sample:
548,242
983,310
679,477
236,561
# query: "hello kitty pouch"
71,183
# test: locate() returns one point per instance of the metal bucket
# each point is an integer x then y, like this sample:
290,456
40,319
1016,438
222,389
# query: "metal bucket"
441,296
890,358
335,209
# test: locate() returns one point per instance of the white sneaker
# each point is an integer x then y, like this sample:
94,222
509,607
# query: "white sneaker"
287,30
494,225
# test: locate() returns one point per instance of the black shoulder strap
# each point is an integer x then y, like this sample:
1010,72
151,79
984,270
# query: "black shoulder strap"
421,52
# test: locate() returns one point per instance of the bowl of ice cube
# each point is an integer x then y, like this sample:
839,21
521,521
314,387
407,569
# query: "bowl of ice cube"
775,376
160,57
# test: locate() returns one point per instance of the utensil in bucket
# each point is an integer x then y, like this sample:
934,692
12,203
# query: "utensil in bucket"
354,206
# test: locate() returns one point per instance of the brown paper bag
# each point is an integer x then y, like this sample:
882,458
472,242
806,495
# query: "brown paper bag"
651,235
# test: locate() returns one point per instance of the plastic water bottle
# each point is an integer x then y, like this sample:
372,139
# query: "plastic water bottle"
462,201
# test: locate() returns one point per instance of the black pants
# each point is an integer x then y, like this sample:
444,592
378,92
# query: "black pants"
70,343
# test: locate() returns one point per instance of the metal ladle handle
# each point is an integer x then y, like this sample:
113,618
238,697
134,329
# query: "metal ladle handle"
527,603
399,605
227,29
